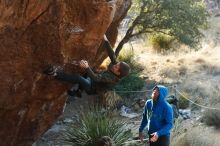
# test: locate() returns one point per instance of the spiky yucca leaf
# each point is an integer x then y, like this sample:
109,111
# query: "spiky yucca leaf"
93,126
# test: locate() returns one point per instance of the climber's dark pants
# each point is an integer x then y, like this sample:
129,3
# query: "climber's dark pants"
162,141
84,83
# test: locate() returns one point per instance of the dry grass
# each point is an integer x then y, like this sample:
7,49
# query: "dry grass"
200,60
178,134
111,98
187,134
195,72
212,117
202,136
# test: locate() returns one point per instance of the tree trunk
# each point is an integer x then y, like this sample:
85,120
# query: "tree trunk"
121,44
129,32
127,36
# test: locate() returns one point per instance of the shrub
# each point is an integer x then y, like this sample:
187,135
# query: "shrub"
202,136
183,103
212,117
161,42
194,135
93,126
110,99
130,83
128,56
178,134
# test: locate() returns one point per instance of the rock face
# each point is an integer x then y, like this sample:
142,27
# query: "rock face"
34,33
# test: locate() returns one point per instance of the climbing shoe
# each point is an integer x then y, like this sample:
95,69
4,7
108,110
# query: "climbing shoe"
52,70
49,70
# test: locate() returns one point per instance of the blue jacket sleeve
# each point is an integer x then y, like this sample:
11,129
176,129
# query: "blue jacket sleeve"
168,122
144,120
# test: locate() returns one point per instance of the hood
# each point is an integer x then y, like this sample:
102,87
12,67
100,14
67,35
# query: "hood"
163,92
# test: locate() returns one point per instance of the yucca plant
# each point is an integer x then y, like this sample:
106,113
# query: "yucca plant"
94,125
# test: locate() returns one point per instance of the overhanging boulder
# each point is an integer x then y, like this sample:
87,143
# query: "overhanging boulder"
35,33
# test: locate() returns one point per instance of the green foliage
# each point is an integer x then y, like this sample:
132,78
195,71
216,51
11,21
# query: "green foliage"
94,125
129,57
183,103
161,42
178,18
130,83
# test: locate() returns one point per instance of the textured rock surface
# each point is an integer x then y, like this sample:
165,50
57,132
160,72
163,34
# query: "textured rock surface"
34,33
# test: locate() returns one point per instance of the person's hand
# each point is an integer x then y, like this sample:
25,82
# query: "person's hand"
154,137
83,64
141,136
105,38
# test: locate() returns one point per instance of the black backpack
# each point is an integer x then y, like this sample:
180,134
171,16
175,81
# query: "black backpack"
173,101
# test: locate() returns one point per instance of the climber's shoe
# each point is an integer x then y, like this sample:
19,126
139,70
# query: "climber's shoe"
51,70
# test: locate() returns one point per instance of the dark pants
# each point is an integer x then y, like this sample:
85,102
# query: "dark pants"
162,141
84,83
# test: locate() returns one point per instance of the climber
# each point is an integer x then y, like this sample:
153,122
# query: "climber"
96,82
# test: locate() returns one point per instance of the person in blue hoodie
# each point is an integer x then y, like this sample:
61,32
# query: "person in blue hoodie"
158,117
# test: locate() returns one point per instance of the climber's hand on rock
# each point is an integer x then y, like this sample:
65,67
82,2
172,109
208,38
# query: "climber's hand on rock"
105,38
84,64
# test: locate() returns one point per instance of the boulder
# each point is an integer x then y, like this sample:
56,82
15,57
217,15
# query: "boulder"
35,33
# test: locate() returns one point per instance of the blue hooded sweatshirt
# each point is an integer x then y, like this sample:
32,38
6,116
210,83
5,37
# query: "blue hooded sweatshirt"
158,115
